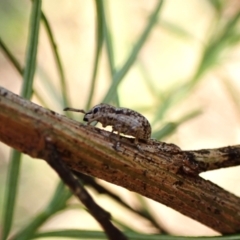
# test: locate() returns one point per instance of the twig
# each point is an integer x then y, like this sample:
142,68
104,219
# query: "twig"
89,181
54,160
209,159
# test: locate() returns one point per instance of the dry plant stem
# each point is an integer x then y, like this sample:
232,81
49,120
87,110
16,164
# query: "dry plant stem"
54,160
209,159
25,126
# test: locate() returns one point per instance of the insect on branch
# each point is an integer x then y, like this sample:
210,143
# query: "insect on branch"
153,173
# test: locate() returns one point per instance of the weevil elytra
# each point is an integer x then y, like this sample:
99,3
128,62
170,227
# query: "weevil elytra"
122,120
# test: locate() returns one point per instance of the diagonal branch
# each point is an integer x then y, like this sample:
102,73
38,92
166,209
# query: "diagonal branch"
54,160
91,182
156,175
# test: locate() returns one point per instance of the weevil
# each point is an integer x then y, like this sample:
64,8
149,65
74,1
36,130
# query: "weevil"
122,120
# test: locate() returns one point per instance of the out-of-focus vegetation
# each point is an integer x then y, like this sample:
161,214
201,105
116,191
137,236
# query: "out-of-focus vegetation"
177,62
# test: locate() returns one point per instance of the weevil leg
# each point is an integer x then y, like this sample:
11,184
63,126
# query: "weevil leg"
139,149
137,145
116,144
88,125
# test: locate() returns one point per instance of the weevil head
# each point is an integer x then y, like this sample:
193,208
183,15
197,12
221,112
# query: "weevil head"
95,113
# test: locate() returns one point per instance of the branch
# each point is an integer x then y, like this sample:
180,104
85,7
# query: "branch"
209,159
158,173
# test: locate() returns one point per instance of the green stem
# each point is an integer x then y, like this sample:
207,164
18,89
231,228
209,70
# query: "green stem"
52,41
100,36
118,76
26,92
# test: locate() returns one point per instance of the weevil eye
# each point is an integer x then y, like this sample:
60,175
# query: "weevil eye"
95,110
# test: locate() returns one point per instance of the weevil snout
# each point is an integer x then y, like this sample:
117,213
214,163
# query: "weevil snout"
85,118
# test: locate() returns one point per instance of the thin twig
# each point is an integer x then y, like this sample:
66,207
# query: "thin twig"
89,181
209,159
103,217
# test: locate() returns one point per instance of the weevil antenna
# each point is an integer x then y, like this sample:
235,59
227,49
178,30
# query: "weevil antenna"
74,110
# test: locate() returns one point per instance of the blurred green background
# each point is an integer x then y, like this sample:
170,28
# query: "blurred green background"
180,68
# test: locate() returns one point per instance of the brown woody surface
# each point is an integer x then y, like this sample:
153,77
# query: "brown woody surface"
25,126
